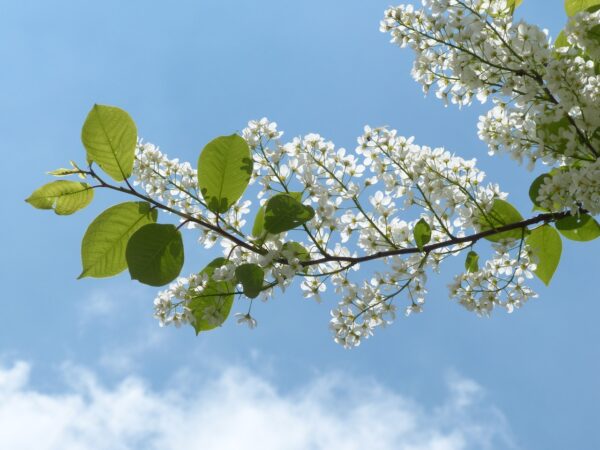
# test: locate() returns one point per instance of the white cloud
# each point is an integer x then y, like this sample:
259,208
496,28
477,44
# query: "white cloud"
237,410
105,304
98,304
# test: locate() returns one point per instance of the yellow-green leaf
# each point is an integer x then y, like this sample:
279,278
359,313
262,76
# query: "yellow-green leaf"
283,213
472,262
502,213
64,197
422,233
546,246
109,135
224,169
572,7
582,227
105,241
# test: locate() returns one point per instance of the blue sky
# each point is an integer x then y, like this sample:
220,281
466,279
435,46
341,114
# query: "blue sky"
187,72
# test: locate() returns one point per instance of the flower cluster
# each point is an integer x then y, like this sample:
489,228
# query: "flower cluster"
546,98
171,306
173,183
501,282
357,197
572,188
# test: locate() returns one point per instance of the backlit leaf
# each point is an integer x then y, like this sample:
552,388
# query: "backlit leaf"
224,169
109,135
546,246
64,197
105,241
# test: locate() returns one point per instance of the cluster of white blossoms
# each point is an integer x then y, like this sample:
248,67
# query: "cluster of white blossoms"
573,188
546,98
171,306
378,202
500,283
173,183
357,197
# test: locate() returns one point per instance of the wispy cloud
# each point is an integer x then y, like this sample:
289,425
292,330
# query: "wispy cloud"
237,409
99,304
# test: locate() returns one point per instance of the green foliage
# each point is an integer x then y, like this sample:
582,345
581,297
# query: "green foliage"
212,306
513,4
501,214
214,264
62,172
472,262
582,227
64,197
422,233
553,134
105,241
155,254
224,169
546,246
535,188
283,212
258,229
572,7
297,250
594,34
109,135
561,40
251,276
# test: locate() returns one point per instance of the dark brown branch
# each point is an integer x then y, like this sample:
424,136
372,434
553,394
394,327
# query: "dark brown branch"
541,218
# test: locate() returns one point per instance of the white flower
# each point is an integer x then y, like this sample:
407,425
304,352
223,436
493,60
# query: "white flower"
246,319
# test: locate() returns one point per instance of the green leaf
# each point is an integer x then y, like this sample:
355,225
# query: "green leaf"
422,233
64,197
561,40
534,190
295,195
513,4
155,254
214,264
64,172
501,214
224,169
293,249
212,306
251,276
283,212
258,228
472,262
546,246
109,135
594,34
572,7
105,241
579,228
553,134
296,250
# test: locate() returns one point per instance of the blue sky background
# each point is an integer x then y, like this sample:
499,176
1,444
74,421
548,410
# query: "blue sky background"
189,71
